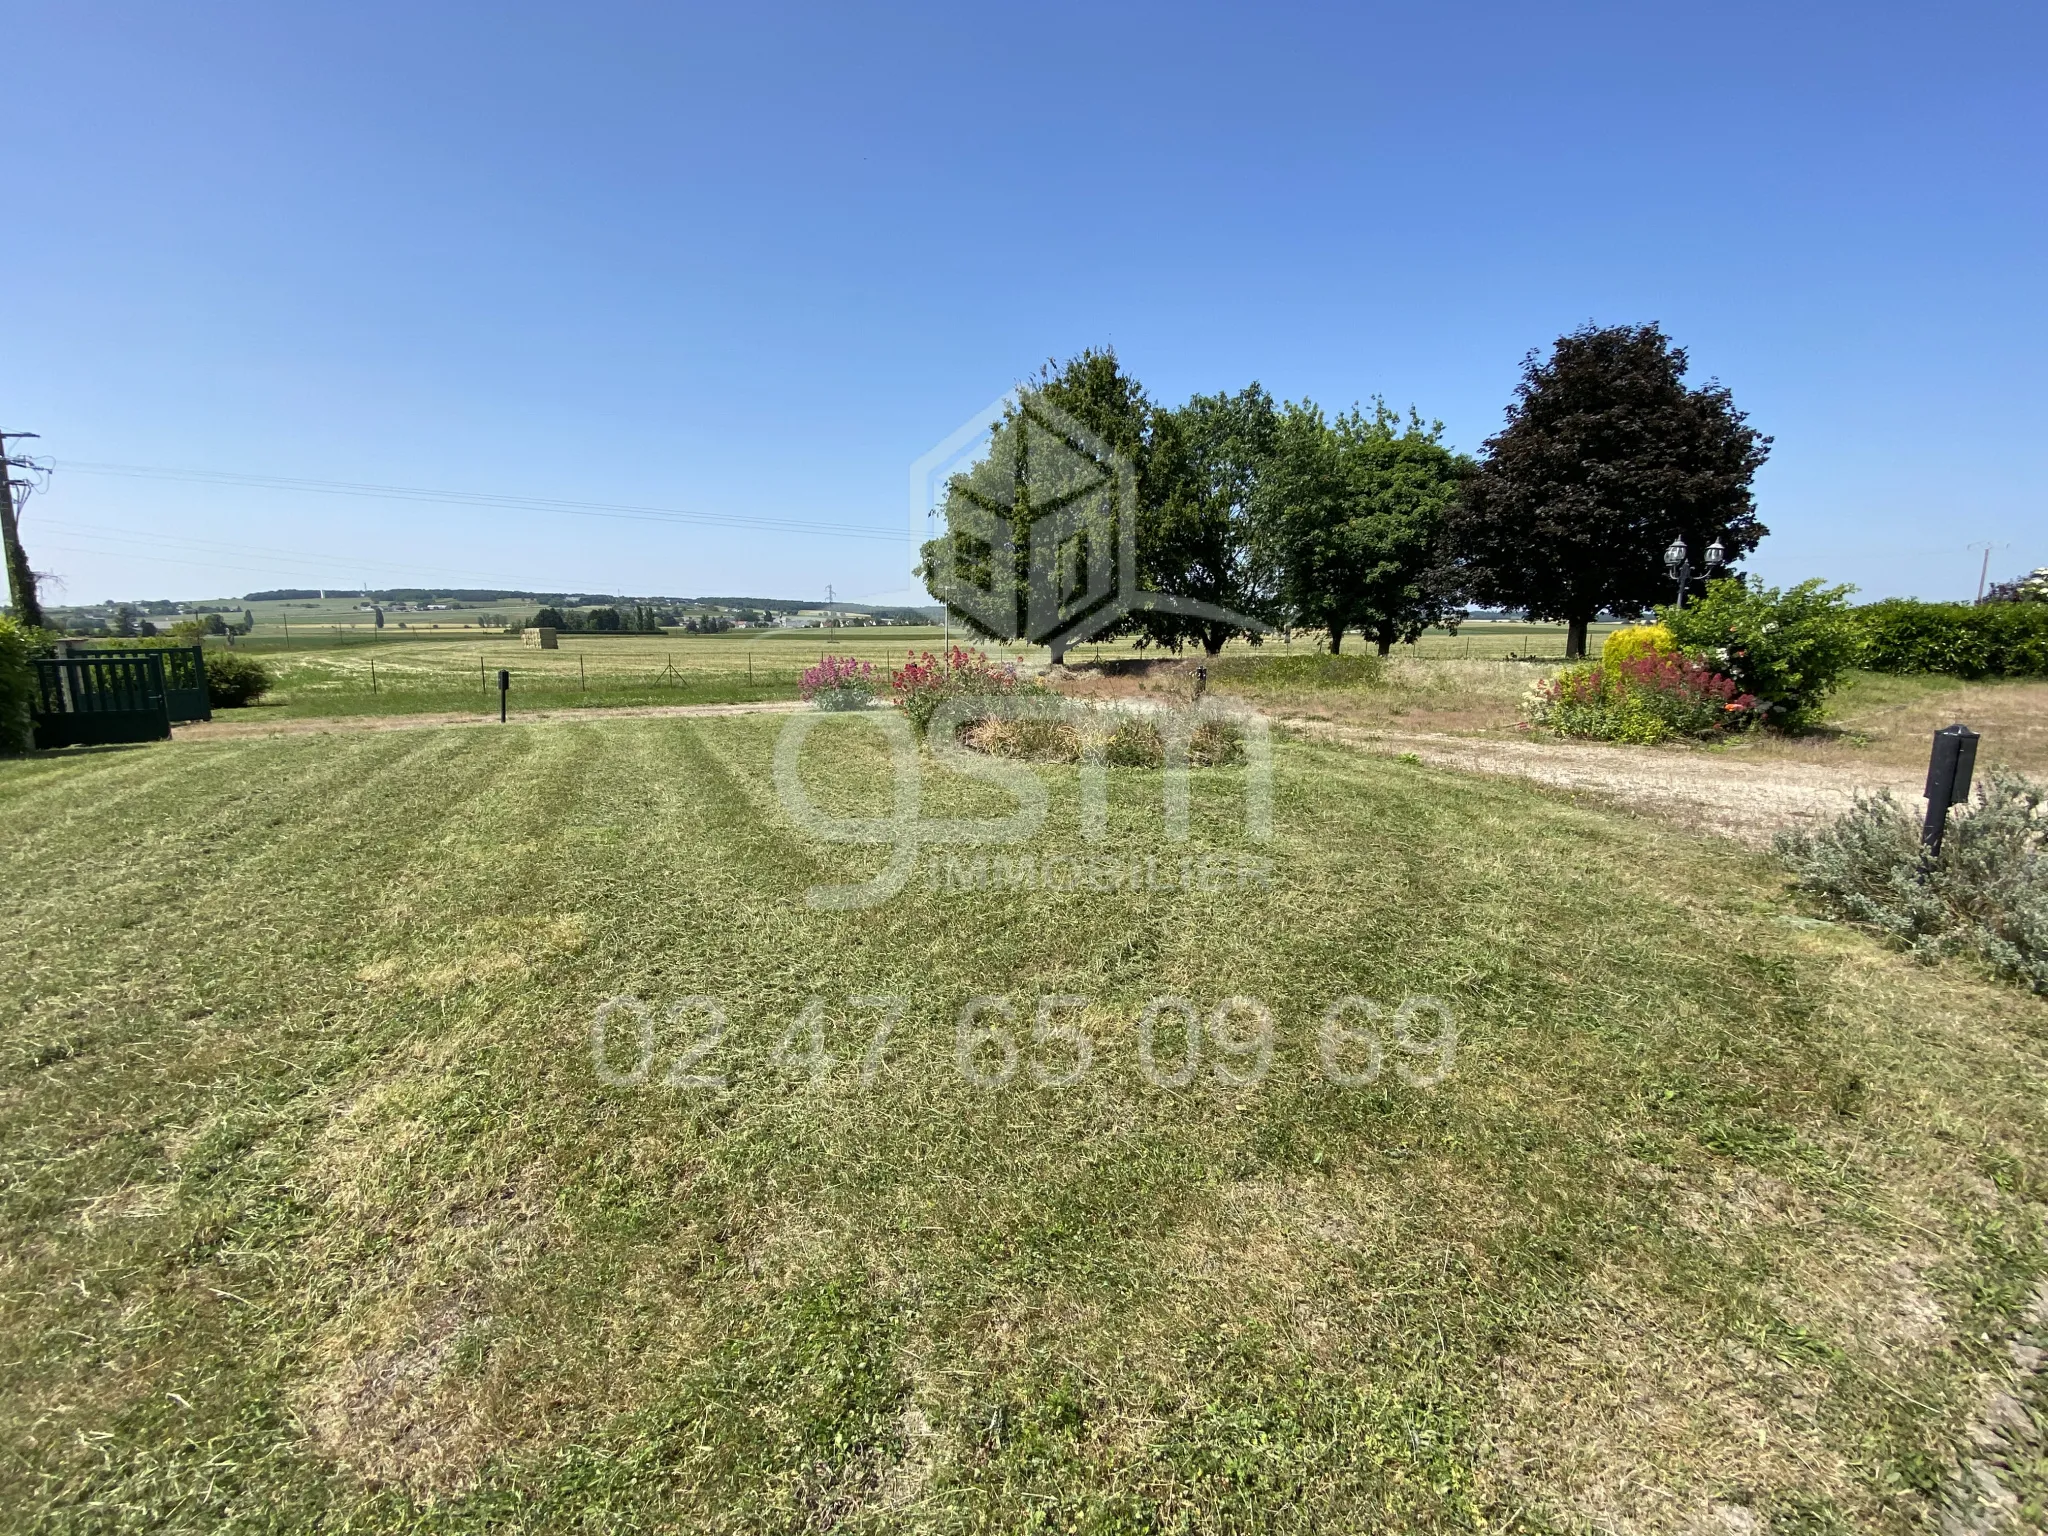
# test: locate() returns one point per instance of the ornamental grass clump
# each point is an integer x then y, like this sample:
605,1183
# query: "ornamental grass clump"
1647,697
1985,895
838,682
1029,738
1119,738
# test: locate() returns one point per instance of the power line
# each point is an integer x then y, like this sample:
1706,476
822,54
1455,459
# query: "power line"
254,556
622,510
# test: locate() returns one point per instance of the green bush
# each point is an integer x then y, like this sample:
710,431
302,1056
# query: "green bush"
233,680
1789,648
1986,895
1995,640
17,685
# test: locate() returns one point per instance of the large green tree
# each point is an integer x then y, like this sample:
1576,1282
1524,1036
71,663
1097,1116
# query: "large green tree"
1036,527
1195,539
1607,456
1350,521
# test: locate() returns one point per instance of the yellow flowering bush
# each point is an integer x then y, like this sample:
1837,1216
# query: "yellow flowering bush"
1636,641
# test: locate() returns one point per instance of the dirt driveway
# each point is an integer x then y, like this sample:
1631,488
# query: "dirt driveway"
1748,798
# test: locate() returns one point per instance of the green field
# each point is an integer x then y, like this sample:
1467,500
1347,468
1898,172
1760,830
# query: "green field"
405,673
318,1214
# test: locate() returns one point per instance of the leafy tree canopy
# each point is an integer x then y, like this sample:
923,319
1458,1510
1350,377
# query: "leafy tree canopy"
1195,539
1607,457
1351,517
1034,526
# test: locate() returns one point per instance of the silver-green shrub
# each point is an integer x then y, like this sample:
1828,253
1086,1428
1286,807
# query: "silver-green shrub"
1986,895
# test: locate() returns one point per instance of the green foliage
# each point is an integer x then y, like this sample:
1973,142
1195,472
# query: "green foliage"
192,630
1350,523
1789,648
547,618
234,680
18,647
2004,639
1606,458
1986,895
1195,538
1052,460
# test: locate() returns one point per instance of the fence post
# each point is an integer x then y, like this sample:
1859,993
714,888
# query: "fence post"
1948,781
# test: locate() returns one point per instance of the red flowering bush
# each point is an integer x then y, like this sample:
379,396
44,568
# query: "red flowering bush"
1641,699
925,681
838,682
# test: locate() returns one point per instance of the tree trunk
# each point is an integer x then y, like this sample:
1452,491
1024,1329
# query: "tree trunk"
1336,638
1213,638
1058,647
1386,640
1575,639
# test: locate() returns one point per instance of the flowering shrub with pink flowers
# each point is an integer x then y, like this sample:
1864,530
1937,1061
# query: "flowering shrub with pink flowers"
839,682
925,681
1641,699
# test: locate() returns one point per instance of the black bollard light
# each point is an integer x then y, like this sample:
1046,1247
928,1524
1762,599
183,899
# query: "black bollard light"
504,688
1948,781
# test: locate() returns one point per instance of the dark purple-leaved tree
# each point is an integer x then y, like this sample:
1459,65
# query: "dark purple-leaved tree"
1607,457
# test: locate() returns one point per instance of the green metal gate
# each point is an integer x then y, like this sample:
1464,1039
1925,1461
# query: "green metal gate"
108,696
185,684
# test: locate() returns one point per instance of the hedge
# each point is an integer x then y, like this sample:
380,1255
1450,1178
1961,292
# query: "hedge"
17,683
1995,640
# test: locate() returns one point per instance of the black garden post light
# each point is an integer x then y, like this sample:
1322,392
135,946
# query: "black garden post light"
1948,781
1678,561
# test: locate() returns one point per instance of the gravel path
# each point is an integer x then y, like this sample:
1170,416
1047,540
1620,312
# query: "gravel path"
1747,799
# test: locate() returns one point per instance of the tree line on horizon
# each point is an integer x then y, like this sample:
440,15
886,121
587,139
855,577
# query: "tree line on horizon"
1249,514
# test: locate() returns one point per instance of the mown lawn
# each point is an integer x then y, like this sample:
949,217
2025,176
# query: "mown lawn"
362,672
317,1214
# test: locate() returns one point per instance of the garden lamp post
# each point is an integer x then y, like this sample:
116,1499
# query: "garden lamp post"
1678,561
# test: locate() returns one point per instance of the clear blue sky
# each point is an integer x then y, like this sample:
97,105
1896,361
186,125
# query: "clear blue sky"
754,261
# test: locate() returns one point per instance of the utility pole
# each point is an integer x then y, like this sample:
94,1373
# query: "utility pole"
830,619
21,581
1984,570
